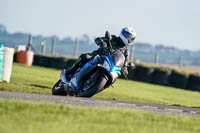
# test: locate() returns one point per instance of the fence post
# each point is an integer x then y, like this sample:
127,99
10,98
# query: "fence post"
29,43
132,50
180,62
43,43
52,46
156,58
76,47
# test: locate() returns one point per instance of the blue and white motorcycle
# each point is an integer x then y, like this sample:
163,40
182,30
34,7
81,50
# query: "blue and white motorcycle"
98,74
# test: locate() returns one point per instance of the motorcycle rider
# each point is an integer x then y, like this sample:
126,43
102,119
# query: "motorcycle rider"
126,38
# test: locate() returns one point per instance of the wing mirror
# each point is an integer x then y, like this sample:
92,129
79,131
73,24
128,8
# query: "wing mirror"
107,35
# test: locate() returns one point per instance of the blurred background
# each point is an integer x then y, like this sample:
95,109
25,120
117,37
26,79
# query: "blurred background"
166,30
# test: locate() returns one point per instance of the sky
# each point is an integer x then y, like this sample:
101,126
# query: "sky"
170,22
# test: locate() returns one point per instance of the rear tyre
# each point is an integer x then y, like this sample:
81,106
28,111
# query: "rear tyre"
58,89
98,86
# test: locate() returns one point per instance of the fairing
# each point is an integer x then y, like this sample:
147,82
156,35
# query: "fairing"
118,58
110,65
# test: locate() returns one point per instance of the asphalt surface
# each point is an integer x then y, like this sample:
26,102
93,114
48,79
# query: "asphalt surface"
91,102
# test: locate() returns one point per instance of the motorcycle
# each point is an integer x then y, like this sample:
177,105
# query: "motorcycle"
96,75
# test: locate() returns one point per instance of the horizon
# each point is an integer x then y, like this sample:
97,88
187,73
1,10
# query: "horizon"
92,39
170,23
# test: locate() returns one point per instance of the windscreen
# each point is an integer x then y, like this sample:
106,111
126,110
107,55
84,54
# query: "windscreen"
118,58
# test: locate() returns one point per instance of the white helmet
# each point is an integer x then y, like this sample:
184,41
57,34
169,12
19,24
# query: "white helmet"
127,35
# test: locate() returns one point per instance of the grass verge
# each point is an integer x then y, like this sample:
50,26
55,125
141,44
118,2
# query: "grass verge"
20,117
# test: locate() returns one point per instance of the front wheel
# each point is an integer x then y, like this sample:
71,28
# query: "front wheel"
97,87
58,89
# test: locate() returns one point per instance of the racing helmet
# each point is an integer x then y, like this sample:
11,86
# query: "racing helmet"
127,35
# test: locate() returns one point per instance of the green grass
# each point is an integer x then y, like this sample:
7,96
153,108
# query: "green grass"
30,117
31,80
150,93
41,80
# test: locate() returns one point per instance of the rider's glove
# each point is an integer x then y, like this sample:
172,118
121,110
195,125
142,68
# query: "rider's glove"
100,42
85,57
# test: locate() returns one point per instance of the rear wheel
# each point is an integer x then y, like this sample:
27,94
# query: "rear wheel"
88,88
58,89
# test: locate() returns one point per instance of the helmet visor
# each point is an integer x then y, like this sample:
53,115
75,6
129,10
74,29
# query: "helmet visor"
128,36
131,40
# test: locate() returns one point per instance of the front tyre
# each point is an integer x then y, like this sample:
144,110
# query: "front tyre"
97,87
58,89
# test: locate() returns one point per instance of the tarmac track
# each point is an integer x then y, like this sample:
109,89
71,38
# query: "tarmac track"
91,102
